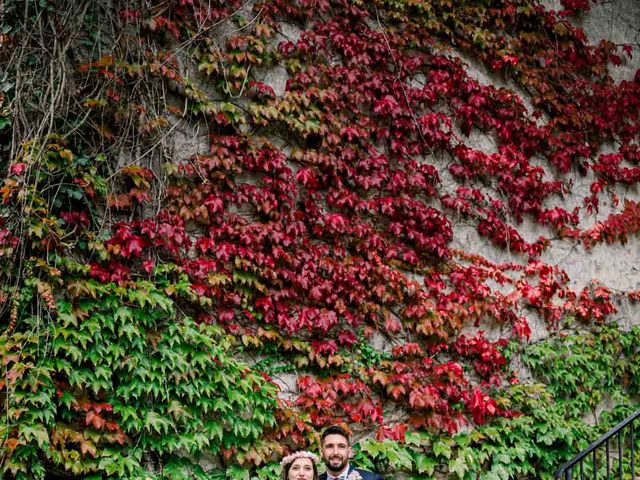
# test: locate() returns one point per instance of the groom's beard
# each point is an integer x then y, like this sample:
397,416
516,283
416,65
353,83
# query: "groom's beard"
336,463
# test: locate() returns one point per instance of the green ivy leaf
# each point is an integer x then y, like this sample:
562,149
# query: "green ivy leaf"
34,432
237,473
425,464
373,448
399,458
442,449
458,466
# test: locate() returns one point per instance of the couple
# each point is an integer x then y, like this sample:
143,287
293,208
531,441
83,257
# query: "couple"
335,449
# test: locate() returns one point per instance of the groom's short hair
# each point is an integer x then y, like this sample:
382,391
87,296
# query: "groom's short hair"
334,430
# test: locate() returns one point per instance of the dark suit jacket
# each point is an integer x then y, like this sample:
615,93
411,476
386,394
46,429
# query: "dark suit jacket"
366,475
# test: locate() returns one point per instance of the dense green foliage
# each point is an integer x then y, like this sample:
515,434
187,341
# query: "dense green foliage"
120,384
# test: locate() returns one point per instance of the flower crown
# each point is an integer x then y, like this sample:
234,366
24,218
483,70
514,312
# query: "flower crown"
300,454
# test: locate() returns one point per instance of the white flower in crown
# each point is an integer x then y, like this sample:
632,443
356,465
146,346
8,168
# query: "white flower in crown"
299,454
355,475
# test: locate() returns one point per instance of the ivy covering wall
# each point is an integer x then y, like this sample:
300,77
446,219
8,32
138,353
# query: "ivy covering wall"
179,236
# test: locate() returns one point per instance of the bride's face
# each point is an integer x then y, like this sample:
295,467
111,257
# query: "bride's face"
301,469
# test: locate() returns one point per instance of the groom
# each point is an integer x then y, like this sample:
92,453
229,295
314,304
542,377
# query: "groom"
336,450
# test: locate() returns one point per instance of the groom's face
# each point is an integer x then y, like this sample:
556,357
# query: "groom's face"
335,452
